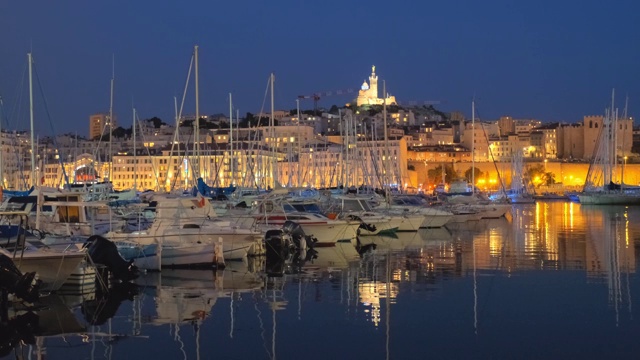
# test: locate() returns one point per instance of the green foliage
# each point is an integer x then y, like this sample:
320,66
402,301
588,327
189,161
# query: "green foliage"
477,174
436,174
538,177
549,178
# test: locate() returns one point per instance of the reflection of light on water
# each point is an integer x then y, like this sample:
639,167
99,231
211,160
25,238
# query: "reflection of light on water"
371,293
567,215
495,243
626,229
370,298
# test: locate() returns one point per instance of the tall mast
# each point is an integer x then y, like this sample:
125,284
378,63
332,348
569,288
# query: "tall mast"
33,151
298,183
113,75
473,146
624,132
196,145
274,160
347,140
386,137
611,155
135,154
239,148
231,137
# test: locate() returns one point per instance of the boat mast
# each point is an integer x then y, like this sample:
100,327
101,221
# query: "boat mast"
135,154
624,132
196,145
274,160
298,183
239,149
113,75
386,138
473,146
231,137
33,152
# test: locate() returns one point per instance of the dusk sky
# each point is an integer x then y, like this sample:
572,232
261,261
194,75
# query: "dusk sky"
549,60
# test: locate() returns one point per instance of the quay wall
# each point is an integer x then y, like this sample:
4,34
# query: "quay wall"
568,175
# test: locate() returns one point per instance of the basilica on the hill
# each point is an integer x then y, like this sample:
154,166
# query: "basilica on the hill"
368,94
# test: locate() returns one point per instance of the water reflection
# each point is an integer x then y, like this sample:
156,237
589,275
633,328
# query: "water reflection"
493,287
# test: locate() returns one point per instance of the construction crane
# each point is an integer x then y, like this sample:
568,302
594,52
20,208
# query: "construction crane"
318,95
418,103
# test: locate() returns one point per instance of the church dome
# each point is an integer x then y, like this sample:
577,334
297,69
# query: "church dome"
365,86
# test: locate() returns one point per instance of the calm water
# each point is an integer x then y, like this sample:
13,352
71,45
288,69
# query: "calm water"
553,280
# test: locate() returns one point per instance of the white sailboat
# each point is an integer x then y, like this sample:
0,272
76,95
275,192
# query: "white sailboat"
600,188
519,194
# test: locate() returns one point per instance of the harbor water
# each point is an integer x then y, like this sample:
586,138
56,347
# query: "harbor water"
551,280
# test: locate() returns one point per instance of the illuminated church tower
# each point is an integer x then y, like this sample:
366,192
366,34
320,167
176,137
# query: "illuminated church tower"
368,94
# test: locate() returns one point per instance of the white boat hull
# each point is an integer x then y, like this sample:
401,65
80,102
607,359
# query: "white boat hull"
609,199
52,268
183,249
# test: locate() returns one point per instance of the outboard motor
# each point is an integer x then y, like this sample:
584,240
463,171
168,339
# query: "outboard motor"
278,244
105,252
298,236
14,282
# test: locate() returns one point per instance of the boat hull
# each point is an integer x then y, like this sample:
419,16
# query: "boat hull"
182,249
52,268
609,199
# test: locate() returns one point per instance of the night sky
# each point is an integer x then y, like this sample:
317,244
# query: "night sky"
549,60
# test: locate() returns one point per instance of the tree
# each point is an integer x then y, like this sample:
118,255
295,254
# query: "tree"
538,176
477,174
436,173
247,121
120,132
157,122
549,178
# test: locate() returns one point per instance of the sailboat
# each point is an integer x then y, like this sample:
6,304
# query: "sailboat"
600,188
519,194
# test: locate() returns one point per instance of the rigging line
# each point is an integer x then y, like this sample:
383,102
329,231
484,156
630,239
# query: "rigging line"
17,102
16,109
178,114
264,100
53,132
490,153
182,158
153,165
